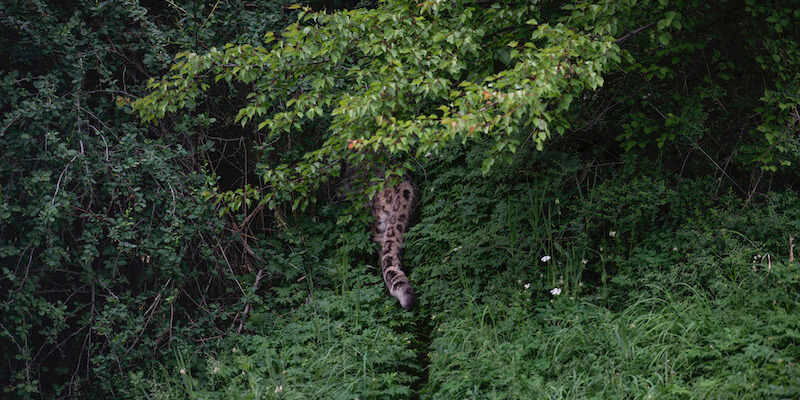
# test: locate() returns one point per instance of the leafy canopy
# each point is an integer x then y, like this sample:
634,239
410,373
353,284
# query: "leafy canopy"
401,81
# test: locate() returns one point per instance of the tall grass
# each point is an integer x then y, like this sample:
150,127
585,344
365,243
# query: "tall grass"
686,308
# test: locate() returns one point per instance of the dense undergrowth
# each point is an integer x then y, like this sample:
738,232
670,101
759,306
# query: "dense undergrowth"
534,295
527,292
646,252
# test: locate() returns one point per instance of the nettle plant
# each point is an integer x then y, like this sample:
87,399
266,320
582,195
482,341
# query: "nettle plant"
378,88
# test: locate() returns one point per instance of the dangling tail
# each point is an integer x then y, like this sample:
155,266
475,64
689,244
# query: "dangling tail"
392,209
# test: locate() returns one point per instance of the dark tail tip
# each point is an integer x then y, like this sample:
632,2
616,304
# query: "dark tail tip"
407,297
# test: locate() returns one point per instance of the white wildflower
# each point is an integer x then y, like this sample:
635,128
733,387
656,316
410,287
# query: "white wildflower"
216,369
527,286
427,154
546,258
612,234
183,371
584,261
555,291
279,389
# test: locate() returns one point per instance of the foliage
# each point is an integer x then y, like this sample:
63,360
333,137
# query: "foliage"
699,305
404,80
324,329
104,239
338,344
708,81
609,198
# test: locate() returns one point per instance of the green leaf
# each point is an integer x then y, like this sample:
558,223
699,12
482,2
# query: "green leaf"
487,165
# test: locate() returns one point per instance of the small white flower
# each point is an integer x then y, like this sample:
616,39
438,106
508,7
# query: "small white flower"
233,350
216,369
527,286
427,154
546,258
244,373
183,371
279,389
555,291
584,261
612,234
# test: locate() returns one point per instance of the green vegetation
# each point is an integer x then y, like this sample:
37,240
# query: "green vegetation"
609,199
692,311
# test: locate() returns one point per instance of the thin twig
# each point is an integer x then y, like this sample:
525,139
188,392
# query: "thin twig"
640,29
633,32
231,268
58,184
721,169
247,306
173,198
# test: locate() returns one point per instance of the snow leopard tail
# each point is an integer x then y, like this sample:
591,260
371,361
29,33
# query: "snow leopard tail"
393,209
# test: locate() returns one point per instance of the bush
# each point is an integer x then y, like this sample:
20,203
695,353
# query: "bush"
106,244
691,307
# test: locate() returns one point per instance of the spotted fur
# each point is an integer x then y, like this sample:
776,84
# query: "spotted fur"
392,209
